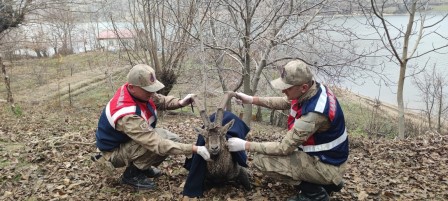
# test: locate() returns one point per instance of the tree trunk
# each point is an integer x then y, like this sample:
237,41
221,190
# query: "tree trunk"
9,98
39,55
259,115
402,76
439,113
247,117
401,117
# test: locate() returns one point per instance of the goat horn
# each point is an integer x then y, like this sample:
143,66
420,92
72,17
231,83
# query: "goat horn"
220,111
202,111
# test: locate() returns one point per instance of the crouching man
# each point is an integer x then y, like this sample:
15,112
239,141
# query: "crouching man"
314,152
127,135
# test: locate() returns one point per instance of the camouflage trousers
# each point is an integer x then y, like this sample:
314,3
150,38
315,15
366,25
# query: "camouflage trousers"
297,167
132,152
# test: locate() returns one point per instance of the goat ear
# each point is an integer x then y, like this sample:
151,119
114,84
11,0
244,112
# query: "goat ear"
229,125
199,131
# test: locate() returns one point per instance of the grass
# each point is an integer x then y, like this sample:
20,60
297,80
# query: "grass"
17,110
440,8
96,97
366,121
100,94
11,148
7,109
29,73
360,119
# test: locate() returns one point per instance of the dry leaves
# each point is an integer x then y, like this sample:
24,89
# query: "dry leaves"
45,155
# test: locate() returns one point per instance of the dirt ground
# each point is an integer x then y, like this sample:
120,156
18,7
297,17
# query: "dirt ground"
45,155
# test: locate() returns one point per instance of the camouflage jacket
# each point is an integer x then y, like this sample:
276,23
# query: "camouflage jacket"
132,126
137,129
307,125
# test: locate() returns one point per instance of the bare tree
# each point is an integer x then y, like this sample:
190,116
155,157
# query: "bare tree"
162,34
427,88
442,108
431,86
62,24
12,13
38,40
261,35
397,40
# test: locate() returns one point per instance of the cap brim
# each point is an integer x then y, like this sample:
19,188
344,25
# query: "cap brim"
279,84
156,86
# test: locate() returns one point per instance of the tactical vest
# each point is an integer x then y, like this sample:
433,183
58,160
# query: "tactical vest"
330,146
121,104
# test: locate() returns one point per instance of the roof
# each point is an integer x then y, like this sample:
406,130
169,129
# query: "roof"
112,34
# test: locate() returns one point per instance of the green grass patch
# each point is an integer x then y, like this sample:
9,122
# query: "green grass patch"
366,121
17,110
8,109
440,8
30,73
100,94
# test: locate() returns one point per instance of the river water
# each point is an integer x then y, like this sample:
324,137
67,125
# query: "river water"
386,91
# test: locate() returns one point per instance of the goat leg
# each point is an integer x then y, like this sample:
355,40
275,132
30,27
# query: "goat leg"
243,178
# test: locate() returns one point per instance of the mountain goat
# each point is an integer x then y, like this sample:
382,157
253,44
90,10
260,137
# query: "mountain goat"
222,167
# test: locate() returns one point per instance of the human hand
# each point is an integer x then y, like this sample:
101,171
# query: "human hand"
244,98
236,144
202,151
186,100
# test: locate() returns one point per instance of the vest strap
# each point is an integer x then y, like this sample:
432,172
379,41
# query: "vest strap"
122,111
153,119
327,146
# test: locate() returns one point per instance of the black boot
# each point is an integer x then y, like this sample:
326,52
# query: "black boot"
136,178
333,188
152,172
310,192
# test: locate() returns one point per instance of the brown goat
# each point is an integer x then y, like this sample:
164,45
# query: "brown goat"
221,168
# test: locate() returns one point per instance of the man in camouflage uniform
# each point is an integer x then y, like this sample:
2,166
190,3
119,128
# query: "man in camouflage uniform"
127,133
315,149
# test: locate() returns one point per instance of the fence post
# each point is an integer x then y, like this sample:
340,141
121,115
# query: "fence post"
69,95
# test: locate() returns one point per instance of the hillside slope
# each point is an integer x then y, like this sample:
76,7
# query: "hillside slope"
45,155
